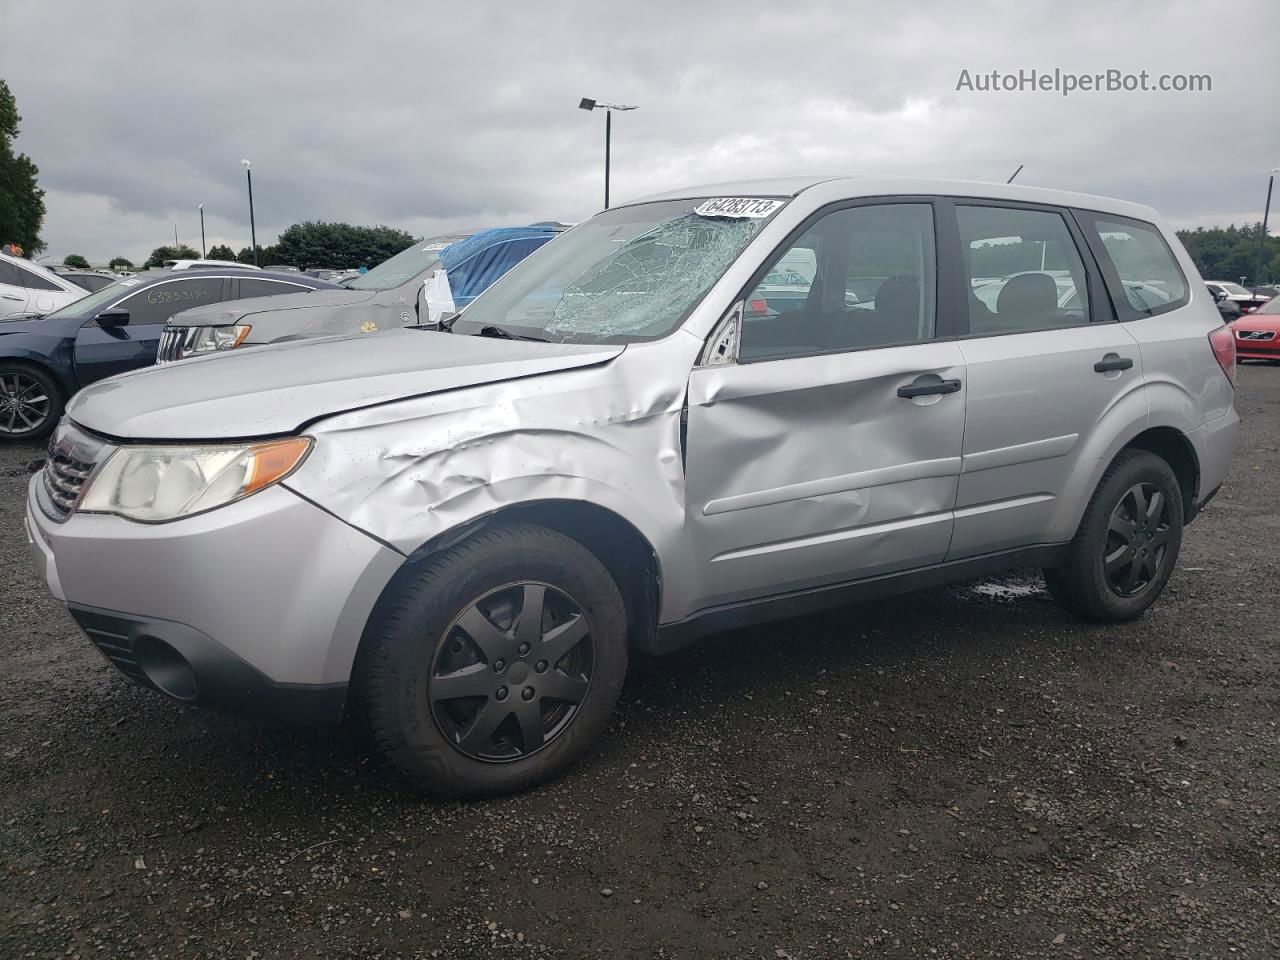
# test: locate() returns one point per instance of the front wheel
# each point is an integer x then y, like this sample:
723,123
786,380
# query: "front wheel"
30,402
1127,545
496,665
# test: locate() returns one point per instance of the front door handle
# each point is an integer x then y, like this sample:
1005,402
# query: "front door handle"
927,388
1112,361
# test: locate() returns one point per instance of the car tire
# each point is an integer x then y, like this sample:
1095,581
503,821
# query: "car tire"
462,692
27,392
1126,547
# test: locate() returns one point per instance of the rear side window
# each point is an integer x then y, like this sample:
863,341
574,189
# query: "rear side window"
1023,270
9,274
34,281
1143,266
267,288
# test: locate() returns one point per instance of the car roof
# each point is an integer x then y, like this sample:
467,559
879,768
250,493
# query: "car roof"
860,186
151,277
208,265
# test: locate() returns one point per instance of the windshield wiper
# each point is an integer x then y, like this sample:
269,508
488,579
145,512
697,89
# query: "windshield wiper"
491,330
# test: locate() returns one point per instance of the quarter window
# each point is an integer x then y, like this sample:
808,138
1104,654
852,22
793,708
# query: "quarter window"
1151,279
157,303
1023,270
860,277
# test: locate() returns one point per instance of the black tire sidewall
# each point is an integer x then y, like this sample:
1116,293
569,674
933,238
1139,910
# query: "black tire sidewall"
56,401
396,669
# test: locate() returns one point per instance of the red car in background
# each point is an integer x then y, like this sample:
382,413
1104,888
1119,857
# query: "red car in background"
1258,333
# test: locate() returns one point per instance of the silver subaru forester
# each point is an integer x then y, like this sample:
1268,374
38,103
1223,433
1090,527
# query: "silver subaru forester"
707,408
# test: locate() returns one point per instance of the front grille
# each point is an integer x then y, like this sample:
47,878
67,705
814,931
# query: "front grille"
1255,334
73,454
170,347
64,479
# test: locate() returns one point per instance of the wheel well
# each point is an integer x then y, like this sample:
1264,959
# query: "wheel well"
40,366
616,543
1176,450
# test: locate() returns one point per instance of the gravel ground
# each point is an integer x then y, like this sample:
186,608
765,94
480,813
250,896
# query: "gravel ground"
962,773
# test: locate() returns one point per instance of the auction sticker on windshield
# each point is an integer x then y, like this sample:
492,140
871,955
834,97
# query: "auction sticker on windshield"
752,207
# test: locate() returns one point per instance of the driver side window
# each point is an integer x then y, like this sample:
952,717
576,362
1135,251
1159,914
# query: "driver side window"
859,278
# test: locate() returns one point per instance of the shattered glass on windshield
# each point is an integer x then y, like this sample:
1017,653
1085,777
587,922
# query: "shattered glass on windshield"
630,273
651,277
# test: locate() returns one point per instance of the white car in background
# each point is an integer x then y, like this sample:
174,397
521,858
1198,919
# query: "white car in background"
27,288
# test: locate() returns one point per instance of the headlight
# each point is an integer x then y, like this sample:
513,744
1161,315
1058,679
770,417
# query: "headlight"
155,484
198,340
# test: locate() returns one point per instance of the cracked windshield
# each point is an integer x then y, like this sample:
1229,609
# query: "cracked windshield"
633,273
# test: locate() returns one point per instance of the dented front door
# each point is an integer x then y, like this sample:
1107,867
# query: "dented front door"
821,469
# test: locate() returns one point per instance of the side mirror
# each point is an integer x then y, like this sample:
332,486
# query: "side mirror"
116,317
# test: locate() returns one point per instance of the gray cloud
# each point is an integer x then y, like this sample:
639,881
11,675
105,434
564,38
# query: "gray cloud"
411,115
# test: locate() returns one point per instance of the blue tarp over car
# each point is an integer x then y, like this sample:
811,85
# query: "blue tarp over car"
476,262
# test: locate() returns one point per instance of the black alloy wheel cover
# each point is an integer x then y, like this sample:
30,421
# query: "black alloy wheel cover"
511,671
1137,543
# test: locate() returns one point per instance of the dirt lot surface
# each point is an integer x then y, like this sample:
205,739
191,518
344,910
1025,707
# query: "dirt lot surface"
961,773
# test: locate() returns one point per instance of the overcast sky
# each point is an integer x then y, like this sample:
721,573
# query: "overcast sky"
435,116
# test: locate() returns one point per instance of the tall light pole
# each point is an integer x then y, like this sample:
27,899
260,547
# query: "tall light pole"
1262,240
203,255
586,103
253,233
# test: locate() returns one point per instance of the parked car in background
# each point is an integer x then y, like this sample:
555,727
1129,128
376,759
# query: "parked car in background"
90,280
419,286
44,361
1228,309
1241,296
1258,333
27,288
466,534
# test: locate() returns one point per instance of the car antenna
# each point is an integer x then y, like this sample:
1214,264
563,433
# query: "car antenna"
1015,173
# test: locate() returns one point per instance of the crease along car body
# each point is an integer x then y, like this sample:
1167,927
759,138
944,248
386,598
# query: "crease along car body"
624,445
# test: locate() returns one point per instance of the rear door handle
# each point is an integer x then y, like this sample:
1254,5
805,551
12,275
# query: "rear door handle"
926,389
1112,361
10,296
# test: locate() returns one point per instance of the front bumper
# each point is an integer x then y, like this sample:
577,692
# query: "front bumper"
1249,348
257,607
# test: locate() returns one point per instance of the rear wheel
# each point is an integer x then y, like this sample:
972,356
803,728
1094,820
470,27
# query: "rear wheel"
497,664
30,402
1128,541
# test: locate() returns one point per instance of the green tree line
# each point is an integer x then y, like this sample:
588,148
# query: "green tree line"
1229,253
307,246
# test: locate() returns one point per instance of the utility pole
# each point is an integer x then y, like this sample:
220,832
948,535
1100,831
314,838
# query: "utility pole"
1262,240
253,232
586,103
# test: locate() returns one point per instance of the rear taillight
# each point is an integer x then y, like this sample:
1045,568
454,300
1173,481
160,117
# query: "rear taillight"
1223,341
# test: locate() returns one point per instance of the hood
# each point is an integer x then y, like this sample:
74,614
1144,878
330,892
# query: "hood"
277,389
42,326
233,311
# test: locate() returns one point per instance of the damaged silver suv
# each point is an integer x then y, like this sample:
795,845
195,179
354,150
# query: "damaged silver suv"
716,406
